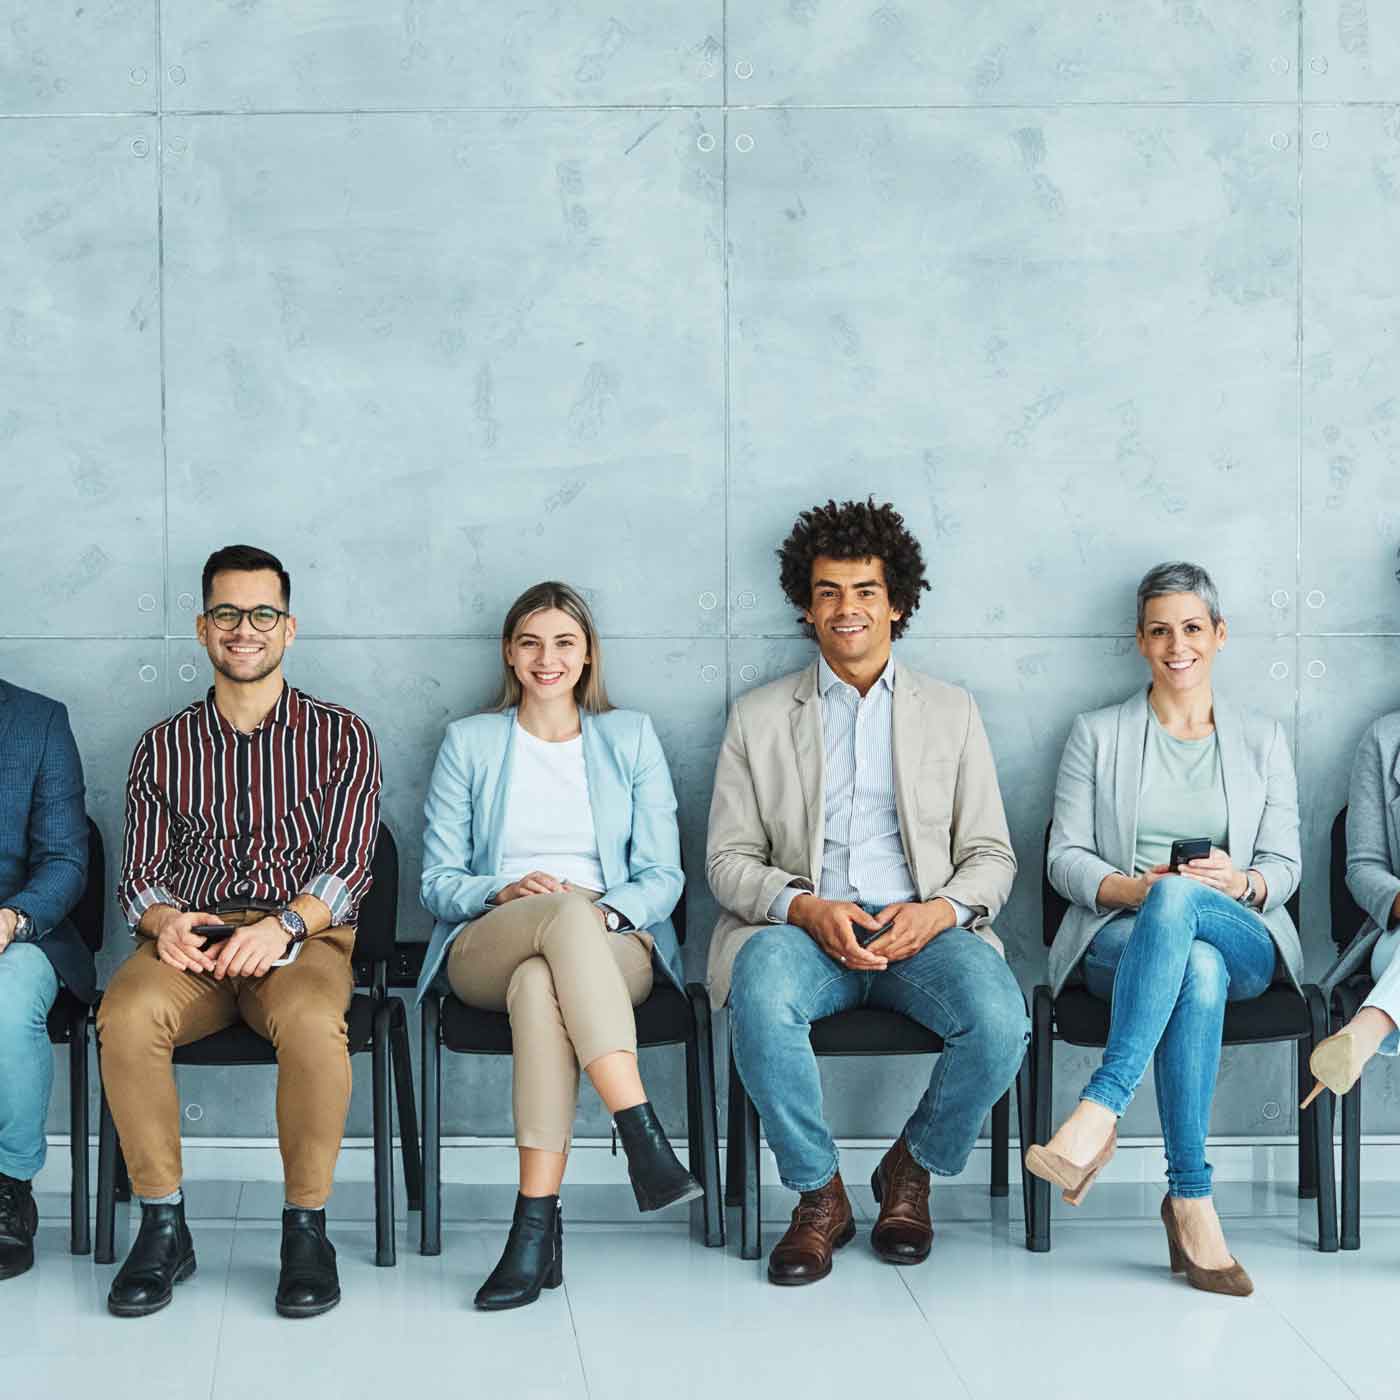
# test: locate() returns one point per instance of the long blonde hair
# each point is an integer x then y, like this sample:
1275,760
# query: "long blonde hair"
589,690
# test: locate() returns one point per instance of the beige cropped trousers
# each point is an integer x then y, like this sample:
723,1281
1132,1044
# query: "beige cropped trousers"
569,987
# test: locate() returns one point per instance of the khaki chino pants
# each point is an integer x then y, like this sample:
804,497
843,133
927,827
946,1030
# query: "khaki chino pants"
569,987
151,1007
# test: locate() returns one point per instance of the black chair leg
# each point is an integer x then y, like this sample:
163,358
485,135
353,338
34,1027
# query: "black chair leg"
734,1143
408,1110
1001,1143
430,1238
80,1237
1320,1136
1023,1130
750,1213
1042,1092
1346,1004
106,1185
384,1255
707,1117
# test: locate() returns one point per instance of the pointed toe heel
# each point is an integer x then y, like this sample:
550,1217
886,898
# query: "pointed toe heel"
1336,1064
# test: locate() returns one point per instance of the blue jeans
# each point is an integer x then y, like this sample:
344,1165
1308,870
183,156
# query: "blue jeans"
956,984
1167,974
28,986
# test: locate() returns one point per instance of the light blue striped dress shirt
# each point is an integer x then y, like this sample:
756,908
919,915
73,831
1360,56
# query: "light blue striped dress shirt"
863,856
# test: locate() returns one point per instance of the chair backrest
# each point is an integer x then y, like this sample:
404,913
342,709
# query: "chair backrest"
377,926
1347,914
678,913
89,914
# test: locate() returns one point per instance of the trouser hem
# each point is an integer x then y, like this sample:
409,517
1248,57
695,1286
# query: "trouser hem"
23,1168
815,1185
1190,1193
1090,1096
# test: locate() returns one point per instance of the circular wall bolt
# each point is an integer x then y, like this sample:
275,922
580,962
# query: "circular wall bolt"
743,69
177,75
141,147
1318,65
178,145
187,673
1271,1110
138,76
1279,597
708,601
186,601
709,673
147,673
194,1112
1279,65
748,673
708,69
1280,140
1316,598
1279,670
147,602
1320,140
705,141
743,142
747,598
1317,669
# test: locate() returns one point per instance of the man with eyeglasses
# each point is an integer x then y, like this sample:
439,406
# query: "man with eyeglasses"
254,810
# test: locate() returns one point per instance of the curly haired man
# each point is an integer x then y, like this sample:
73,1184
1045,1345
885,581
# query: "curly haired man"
858,848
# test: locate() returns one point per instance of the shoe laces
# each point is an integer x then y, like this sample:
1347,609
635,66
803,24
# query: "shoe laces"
814,1209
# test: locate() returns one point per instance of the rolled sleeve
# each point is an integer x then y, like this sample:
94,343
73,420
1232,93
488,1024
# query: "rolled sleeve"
349,825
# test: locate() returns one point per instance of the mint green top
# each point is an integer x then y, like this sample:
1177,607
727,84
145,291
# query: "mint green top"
1182,795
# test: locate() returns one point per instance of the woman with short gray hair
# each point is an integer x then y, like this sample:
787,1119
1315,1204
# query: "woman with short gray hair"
1168,935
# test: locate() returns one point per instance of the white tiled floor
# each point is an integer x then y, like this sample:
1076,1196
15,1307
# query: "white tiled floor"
648,1313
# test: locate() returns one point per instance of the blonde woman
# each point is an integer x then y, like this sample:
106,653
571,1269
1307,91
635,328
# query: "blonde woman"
551,863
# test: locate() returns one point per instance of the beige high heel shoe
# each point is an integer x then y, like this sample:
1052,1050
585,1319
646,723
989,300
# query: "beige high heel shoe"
1074,1180
1336,1065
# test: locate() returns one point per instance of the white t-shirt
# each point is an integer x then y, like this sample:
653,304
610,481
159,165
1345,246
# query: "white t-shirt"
549,819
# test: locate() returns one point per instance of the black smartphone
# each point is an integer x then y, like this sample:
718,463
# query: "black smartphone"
1192,848
214,933
866,936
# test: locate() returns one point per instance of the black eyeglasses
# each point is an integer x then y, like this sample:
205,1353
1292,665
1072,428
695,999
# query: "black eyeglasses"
226,617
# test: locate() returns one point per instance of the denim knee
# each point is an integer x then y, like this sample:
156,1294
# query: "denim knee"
1173,898
27,989
766,980
1206,983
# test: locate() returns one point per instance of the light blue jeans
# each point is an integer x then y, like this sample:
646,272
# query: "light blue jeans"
1167,973
28,986
956,984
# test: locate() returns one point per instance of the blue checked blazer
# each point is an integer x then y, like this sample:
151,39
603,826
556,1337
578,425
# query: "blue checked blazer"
43,829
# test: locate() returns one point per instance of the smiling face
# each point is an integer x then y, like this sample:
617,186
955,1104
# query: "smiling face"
245,655
1179,641
547,653
850,612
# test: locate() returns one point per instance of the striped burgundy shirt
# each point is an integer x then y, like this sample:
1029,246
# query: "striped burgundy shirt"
213,814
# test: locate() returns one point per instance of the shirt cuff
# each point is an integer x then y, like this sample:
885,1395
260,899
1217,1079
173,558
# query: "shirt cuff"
333,892
778,910
964,915
144,897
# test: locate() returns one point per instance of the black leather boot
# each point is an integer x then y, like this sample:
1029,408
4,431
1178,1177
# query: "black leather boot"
533,1258
308,1284
161,1257
658,1179
19,1218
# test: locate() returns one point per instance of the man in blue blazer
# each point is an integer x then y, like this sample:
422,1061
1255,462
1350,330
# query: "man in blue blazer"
43,864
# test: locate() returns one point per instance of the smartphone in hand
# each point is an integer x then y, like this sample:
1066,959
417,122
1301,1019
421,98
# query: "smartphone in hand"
1188,849
866,936
213,933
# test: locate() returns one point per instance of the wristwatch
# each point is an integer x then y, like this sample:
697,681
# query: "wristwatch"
294,926
611,918
24,925
1247,898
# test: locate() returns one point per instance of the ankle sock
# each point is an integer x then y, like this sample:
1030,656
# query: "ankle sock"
173,1199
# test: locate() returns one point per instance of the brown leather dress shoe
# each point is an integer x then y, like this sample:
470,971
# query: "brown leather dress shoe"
904,1233
821,1223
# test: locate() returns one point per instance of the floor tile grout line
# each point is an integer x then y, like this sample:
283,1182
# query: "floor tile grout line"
1293,1327
933,1332
578,1341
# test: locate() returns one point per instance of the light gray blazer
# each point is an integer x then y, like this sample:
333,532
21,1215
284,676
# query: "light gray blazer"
1094,833
1373,839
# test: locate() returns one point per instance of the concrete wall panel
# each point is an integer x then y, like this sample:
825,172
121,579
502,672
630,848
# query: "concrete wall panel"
98,57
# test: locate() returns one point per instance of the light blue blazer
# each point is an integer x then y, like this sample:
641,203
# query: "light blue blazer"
634,820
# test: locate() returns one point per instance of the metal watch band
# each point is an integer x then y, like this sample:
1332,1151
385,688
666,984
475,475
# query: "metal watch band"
293,925
24,925
1247,898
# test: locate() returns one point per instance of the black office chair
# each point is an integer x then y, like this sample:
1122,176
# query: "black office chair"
1280,1014
866,1030
69,1020
377,1023
1348,919
666,1017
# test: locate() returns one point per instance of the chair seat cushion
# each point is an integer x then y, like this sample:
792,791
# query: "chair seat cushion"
238,1044
662,1019
1280,1014
869,1030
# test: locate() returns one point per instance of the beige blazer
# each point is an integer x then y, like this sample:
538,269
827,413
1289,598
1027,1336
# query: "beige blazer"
1094,833
768,812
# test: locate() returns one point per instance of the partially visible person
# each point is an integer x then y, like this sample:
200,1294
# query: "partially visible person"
551,862
43,865
255,809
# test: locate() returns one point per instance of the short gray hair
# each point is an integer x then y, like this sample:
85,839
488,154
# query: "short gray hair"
1177,578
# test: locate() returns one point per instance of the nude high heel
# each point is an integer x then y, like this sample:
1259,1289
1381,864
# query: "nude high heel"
1336,1064
1074,1180
1231,1280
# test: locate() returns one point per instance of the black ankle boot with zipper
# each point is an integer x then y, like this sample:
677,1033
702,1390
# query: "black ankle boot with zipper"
658,1178
533,1257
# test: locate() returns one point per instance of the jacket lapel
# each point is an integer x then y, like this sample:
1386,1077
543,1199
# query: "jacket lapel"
7,708
1240,797
806,721
604,799
910,729
1132,733
493,795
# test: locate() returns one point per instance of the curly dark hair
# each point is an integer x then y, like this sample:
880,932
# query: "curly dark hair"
854,530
